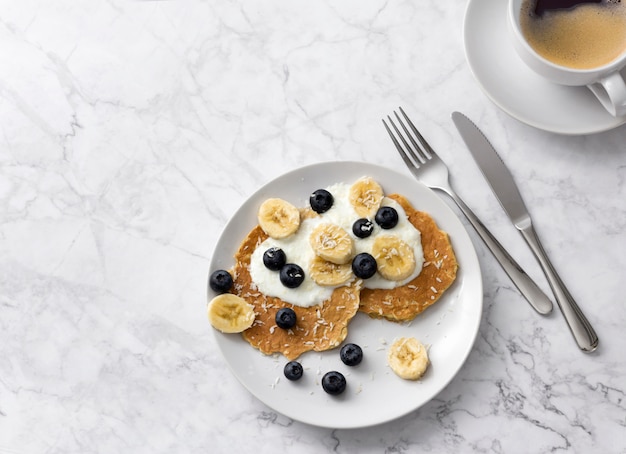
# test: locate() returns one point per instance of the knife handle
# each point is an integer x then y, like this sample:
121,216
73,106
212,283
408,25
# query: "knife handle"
581,329
527,287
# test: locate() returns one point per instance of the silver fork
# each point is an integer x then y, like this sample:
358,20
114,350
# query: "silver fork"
428,168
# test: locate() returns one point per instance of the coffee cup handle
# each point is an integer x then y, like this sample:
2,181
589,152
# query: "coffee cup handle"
611,92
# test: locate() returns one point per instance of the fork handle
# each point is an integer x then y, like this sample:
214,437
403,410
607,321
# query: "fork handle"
581,329
527,287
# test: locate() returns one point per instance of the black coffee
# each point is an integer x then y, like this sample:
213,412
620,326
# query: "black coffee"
548,5
581,34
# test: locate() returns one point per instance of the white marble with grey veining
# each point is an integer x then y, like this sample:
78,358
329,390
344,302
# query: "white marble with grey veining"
130,131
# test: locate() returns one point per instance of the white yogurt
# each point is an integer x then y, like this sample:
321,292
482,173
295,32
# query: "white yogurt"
299,251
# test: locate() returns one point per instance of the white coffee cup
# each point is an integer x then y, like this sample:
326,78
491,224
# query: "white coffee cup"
607,82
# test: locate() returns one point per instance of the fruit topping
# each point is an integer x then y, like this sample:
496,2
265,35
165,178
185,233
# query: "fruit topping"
291,275
278,218
408,358
364,265
362,228
387,217
286,318
230,313
351,354
334,383
293,370
274,258
365,195
329,274
220,281
394,257
321,201
332,243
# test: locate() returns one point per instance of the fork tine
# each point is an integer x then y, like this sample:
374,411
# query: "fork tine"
406,144
403,153
423,141
393,139
423,156
416,152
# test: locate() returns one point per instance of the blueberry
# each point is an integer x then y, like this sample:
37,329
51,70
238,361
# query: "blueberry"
364,265
291,275
293,370
286,318
386,217
351,354
321,201
362,228
220,281
334,382
274,258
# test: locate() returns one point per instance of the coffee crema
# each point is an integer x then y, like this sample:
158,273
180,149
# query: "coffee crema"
580,34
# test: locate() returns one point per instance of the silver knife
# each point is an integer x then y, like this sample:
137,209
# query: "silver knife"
502,184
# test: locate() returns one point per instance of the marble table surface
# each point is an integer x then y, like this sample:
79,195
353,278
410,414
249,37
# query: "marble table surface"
131,131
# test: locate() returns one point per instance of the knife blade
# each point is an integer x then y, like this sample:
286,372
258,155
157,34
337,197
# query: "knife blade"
506,191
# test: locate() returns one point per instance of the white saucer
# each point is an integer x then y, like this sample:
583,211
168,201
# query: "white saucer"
515,88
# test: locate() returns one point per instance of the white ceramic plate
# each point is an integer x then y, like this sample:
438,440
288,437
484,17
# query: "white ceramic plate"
515,88
374,393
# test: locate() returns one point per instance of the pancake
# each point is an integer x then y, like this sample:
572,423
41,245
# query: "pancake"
318,328
325,326
440,266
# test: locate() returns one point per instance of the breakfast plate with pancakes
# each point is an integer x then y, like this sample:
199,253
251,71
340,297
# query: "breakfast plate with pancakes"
374,394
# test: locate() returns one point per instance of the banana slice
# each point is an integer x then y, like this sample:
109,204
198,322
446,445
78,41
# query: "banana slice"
332,243
230,313
408,358
329,274
278,218
394,257
366,195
